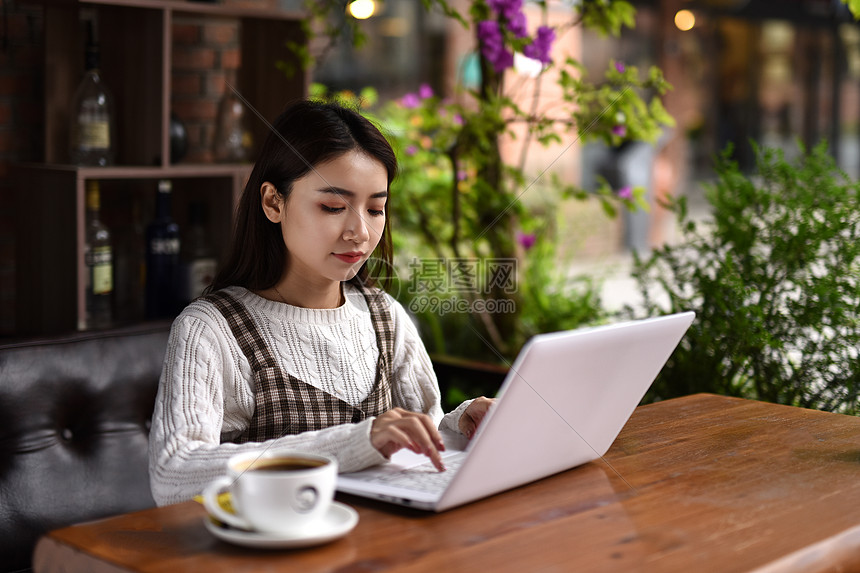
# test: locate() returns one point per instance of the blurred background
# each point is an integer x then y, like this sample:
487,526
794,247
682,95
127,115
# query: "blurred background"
775,71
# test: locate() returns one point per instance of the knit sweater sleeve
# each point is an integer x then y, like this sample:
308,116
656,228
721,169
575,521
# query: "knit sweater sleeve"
414,385
203,395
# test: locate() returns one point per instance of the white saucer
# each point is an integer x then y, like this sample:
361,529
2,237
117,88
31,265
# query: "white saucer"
339,520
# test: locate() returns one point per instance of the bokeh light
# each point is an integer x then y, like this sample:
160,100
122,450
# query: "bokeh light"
362,9
685,20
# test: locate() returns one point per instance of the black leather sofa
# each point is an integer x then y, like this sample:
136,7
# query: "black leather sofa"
74,427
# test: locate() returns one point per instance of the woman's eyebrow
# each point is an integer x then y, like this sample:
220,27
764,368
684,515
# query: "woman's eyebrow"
347,193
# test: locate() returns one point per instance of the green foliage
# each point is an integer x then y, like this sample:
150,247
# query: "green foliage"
607,16
324,19
774,279
854,7
551,300
457,199
616,102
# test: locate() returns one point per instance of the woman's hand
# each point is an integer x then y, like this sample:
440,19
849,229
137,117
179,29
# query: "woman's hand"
473,415
398,428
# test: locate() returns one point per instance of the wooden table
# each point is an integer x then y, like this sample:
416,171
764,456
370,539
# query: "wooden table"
701,483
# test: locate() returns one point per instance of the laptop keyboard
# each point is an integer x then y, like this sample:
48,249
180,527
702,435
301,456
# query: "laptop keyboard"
423,477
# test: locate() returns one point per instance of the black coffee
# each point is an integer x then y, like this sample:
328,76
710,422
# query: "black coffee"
283,464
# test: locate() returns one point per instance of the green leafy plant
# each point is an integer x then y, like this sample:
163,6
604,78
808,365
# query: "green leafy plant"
464,191
774,279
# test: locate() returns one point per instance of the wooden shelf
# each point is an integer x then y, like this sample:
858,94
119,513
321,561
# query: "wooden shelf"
189,7
138,172
137,54
137,47
51,272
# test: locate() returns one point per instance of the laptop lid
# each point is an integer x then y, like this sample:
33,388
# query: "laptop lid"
565,400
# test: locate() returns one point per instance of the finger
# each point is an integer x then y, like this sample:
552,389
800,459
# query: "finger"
428,426
390,415
479,411
389,421
422,434
474,414
411,430
467,425
388,439
404,433
436,458
404,438
433,431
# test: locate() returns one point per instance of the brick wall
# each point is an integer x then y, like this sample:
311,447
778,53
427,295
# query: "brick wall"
21,96
205,55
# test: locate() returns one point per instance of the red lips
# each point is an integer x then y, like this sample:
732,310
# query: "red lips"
351,257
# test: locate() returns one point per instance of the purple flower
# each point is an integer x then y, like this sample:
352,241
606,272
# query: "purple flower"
518,25
458,119
489,33
410,101
506,8
425,91
542,44
620,67
526,240
411,150
619,130
462,175
511,12
492,45
625,193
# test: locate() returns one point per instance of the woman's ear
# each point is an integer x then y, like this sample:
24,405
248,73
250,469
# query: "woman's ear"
273,205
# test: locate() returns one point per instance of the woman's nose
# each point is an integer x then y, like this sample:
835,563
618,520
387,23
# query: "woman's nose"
357,228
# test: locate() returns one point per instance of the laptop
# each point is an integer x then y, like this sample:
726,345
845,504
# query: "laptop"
564,401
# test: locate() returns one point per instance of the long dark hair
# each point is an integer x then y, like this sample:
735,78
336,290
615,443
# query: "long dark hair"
314,132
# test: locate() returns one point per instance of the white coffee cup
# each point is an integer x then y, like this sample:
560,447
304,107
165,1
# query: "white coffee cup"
281,492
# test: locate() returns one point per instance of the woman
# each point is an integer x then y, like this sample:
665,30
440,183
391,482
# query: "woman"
293,346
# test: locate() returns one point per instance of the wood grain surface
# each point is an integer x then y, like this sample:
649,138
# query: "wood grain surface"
700,483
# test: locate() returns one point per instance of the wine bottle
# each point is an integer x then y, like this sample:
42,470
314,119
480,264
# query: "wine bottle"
162,258
92,128
232,142
98,257
199,262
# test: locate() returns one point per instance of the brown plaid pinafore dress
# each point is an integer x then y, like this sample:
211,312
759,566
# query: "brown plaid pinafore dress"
286,405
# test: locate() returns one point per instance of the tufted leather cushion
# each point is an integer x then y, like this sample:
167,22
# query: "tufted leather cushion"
74,427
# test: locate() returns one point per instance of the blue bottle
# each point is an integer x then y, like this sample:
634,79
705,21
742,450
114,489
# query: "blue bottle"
162,259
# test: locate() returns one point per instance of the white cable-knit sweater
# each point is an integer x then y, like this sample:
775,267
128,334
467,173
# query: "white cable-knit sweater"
206,393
